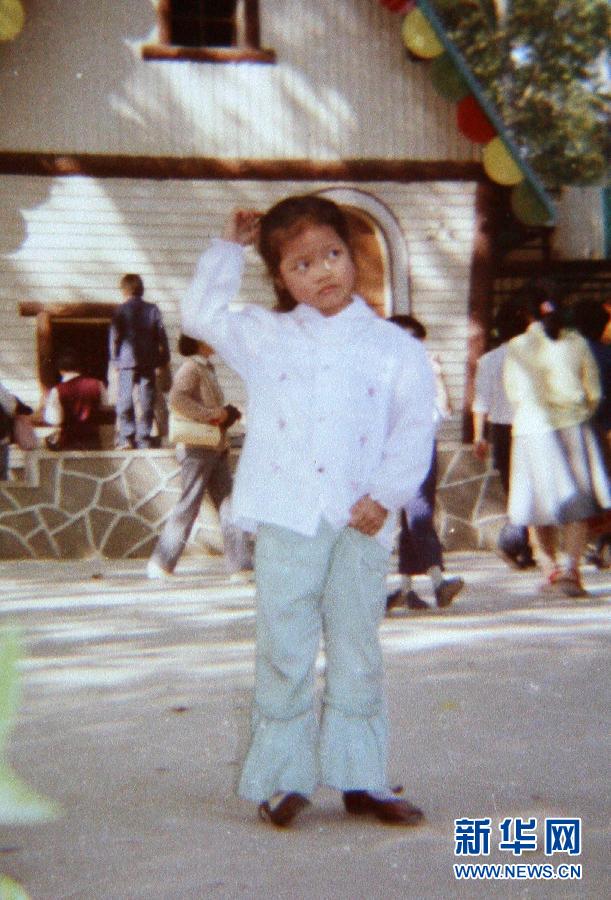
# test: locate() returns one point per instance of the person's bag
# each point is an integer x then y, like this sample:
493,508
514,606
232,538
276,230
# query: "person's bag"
24,434
196,434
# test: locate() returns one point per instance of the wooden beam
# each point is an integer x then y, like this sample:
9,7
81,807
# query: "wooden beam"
481,288
203,168
176,53
68,310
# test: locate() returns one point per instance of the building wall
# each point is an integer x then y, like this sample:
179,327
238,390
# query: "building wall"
74,81
70,239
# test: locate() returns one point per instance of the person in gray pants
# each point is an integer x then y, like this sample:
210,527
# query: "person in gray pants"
197,395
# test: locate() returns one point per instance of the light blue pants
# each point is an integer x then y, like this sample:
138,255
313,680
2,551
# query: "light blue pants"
332,584
131,428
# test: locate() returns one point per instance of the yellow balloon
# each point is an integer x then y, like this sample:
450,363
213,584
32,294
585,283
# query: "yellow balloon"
419,35
499,164
12,19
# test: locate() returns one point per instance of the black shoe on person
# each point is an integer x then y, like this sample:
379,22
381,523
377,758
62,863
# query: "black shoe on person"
395,600
447,590
390,810
282,810
413,601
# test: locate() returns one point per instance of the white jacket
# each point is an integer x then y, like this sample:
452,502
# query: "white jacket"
339,406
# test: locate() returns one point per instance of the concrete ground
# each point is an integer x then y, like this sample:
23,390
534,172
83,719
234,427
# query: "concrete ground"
134,717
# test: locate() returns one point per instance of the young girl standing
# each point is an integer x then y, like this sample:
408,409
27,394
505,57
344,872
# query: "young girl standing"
339,438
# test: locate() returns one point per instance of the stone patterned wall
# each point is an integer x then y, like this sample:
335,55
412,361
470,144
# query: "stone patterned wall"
75,505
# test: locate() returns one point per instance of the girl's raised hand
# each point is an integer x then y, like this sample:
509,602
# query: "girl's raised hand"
243,226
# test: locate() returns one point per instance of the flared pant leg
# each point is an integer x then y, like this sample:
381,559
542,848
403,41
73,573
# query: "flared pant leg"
353,746
331,583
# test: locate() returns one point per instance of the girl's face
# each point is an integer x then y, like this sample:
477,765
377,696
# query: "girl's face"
316,268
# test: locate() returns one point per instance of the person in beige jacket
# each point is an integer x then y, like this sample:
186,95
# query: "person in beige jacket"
197,395
558,474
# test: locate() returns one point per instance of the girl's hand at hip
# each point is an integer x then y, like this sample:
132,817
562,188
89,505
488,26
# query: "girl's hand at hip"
367,516
243,227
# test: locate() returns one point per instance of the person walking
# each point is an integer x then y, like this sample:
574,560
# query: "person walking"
492,419
196,395
138,345
558,475
420,550
339,437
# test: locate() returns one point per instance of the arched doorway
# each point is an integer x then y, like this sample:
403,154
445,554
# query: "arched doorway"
380,250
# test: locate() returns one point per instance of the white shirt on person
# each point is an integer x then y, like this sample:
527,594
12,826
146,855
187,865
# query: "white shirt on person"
338,407
490,398
8,402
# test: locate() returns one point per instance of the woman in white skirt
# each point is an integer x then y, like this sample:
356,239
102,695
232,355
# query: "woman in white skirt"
558,473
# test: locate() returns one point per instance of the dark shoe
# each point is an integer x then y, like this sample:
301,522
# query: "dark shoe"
395,600
392,811
282,812
447,590
413,601
399,600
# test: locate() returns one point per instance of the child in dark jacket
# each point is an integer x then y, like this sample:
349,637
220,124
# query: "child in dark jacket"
138,346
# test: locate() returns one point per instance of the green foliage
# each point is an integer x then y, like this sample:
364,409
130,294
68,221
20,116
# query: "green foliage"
541,63
18,803
10,890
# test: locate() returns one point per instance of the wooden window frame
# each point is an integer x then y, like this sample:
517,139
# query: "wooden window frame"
248,47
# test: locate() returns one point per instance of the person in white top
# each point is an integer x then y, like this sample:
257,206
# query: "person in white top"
492,419
339,437
11,407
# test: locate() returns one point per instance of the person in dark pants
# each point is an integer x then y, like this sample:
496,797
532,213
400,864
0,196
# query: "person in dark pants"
420,550
138,346
591,319
492,418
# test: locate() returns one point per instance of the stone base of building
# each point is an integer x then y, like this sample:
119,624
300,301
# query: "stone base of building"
113,503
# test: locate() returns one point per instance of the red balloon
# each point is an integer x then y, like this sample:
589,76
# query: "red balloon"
399,6
472,122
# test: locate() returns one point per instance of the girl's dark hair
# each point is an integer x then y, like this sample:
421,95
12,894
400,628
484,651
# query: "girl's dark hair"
187,346
543,301
284,221
410,324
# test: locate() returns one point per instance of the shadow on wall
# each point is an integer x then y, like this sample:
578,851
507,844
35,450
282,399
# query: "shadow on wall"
66,85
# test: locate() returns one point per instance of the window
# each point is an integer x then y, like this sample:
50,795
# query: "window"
209,31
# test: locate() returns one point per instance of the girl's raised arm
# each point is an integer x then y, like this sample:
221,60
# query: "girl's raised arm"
238,336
